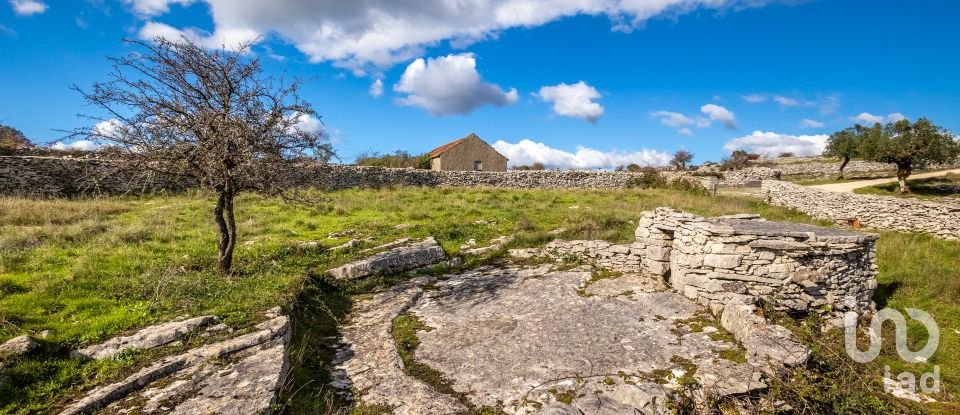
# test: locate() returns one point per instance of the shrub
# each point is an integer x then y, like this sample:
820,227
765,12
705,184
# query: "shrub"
649,180
399,159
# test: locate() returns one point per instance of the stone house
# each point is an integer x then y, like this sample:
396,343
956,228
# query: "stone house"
467,154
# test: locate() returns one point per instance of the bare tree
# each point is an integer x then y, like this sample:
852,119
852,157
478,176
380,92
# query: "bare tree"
211,116
680,159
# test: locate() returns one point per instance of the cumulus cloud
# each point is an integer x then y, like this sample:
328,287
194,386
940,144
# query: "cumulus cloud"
529,152
573,100
308,123
381,33
720,114
685,131
772,144
228,38
28,7
376,88
754,98
680,121
808,123
870,119
449,85
82,145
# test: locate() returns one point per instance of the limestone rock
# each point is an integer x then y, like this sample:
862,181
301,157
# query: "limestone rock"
147,338
403,258
19,345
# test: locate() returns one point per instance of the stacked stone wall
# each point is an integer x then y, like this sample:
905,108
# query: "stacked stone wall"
623,257
940,218
68,176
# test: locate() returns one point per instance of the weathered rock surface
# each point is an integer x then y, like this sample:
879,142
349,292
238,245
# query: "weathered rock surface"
368,361
147,338
19,345
197,382
402,258
517,338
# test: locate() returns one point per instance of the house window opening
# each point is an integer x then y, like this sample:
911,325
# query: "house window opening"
478,165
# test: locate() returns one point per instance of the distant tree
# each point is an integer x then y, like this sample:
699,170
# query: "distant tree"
911,145
633,168
786,154
538,166
399,159
12,140
845,145
680,159
736,161
177,108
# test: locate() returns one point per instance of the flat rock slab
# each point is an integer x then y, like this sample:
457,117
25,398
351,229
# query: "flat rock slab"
403,258
240,375
527,339
147,338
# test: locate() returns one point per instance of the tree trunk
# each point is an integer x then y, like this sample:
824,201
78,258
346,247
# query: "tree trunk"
223,215
843,165
903,171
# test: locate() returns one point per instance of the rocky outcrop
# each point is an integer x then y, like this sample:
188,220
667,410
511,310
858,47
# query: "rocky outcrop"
238,375
882,212
147,338
534,340
402,258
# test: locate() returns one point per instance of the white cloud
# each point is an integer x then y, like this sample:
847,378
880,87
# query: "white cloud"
154,7
772,144
680,121
896,116
829,105
808,123
308,123
357,34
870,119
754,98
573,100
685,131
720,114
529,152
376,88
28,7
108,129
449,85
228,38
82,145
786,102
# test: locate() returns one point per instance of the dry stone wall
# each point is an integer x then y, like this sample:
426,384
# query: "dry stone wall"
744,259
67,176
883,212
827,167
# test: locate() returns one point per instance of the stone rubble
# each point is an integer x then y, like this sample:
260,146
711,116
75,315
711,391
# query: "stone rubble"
495,244
146,338
402,258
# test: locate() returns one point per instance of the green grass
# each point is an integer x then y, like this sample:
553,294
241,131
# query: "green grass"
89,269
928,188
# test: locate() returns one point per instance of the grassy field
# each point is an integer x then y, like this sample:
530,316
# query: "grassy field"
89,269
928,188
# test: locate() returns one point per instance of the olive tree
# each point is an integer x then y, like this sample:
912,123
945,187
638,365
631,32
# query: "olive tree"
209,116
909,146
845,145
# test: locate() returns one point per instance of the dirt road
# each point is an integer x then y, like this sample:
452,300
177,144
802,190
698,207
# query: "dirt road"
847,187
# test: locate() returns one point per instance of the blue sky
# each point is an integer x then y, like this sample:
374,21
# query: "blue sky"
573,83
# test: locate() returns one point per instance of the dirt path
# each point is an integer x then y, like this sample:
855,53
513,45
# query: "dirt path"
848,187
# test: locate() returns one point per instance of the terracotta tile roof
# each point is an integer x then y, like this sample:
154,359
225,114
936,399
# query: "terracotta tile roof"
442,149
